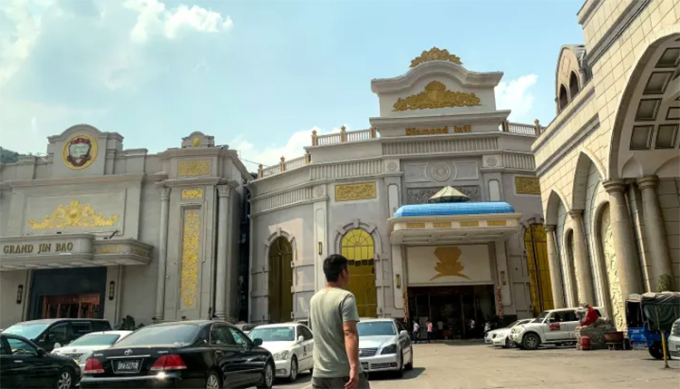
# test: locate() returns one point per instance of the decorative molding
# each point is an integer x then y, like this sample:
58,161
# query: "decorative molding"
471,223
192,194
435,54
103,179
439,171
73,215
165,192
519,161
441,146
496,223
436,95
191,238
587,12
347,169
282,199
223,190
527,185
392,166
441,224
415,225
566,147
193,168
356,191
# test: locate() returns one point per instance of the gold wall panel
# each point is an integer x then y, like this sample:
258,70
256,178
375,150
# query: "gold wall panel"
436,95
193,168
442,224
435,54
527,185
470,224
73,215
415,225
191,238
361,191
496,223
192,194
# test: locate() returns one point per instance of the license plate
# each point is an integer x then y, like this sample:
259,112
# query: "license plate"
127,366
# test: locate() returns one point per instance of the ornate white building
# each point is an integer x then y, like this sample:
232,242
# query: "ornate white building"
609,162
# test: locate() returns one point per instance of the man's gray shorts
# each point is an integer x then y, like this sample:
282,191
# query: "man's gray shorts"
339,383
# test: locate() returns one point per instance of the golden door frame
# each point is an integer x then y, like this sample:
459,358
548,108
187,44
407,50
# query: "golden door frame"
280,258
358,246
535,243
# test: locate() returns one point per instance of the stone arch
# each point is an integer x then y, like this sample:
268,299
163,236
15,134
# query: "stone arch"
571,61
574,86
563,98
369,227
554,200
579,191
279,296
636,81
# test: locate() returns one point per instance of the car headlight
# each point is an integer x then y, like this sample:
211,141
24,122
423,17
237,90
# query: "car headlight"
281,355
391,349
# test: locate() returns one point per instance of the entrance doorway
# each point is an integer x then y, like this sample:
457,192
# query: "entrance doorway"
71,307
535,243
456,307
358,248
280,280
68,293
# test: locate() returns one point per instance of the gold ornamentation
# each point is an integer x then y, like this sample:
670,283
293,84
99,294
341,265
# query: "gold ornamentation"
415,225
140,252
79,152
496,223
73,215
193,168
196,141
436,96
527,185
470,224
449,263
192,194
109,250
442,225
350,192
190,250
435,54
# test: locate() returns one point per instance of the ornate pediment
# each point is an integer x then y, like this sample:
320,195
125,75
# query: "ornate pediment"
436,95
435,54
73,215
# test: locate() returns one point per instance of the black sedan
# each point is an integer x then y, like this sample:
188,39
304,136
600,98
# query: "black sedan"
25,365
186,354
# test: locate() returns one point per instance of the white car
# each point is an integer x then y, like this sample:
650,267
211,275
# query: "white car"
555,326
500,337
384,345
83,347
291,344
674,340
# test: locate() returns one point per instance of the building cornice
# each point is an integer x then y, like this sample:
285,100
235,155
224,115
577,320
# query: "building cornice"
464,118
571,143
104,179
587,10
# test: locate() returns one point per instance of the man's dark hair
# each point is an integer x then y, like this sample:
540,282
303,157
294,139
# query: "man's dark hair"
333,265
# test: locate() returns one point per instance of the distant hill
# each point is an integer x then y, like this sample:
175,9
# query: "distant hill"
8,156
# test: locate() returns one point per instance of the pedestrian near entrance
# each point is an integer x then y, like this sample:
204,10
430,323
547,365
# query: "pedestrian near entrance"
416,329
429,330
333,317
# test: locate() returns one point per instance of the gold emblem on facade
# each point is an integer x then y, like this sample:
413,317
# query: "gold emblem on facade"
474,223
192,194
448,264
415,225
436,96
193,168
496,223
361,191
73,215
79,152
527,185
435,54
196,142
190,249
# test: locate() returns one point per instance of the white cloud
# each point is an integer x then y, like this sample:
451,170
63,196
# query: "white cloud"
271,155
515,95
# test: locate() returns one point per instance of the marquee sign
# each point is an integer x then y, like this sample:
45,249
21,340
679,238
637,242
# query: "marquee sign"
437,131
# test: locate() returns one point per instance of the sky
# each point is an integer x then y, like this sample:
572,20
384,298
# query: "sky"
257,75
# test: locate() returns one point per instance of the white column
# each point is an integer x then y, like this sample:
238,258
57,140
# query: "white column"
584,280
555,267
162,253
223,192
503,274
655,232
398,276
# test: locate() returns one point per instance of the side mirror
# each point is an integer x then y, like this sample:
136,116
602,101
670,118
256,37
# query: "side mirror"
257,342
301,339
57,345
403,333
42,352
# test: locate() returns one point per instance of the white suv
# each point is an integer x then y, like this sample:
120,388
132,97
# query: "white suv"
556,326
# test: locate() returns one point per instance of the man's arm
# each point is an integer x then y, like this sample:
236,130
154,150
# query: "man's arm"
351,344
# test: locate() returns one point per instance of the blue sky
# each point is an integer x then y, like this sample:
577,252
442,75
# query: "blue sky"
257,75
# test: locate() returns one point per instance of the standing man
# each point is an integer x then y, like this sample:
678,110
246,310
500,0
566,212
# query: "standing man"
333,317
416,329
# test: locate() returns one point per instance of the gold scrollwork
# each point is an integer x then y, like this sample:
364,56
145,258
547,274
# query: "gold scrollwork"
470,224
192,194
496,223
435,54
190,250
73,215
361,191
527,185
441,224
109,250
140,252
193,168
415,225
436,96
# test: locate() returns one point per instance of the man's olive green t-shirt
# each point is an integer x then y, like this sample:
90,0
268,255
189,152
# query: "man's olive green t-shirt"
329,309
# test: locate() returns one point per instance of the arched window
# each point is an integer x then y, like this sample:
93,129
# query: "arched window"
563,98
573,85
358,247
280,280
535,243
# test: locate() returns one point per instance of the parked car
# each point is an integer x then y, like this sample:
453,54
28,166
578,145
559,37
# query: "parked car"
500,336
291,344
54,333
188,354
674,340
82,348
384,345
555,326
245,327
25,365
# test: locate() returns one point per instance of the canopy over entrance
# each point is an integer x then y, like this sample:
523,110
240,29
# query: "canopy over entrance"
448,195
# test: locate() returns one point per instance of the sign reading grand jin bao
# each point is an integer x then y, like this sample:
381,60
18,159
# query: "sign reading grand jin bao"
79,151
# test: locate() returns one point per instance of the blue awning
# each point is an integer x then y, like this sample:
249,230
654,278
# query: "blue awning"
450,209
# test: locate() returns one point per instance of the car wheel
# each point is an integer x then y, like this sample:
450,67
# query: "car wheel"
400,373
531,341
65,379
656,350
213,381
267,377
508,343
409,365
293,370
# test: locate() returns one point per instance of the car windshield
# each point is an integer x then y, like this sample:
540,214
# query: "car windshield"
376,328
95,340
541,317
513,324
273,334
176,335
27,330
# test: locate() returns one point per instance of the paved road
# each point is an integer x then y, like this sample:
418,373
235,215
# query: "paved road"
465,365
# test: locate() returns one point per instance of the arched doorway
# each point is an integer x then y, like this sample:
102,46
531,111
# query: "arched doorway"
535,243
358,247
280,280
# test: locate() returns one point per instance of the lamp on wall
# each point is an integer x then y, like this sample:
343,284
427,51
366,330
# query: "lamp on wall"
20,293
112,289
398,280
503,279
320,248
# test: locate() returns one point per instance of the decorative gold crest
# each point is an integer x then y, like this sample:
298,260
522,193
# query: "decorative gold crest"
79,152
360,191
73,215
435,54
436,96
449,263
527,185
